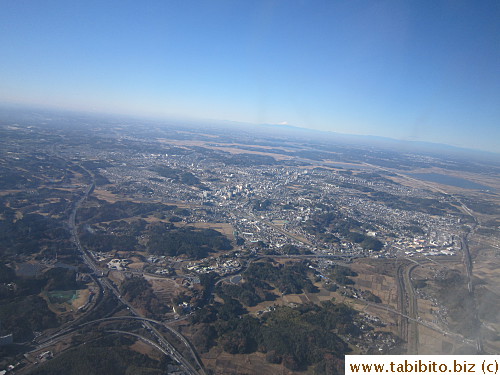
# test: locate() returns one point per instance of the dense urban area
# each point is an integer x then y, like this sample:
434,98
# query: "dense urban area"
145,247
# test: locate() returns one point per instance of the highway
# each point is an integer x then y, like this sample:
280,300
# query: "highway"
409,319
407,305
157,322
413,337
403,316
454,336
104,282
466,256
145,339
467,260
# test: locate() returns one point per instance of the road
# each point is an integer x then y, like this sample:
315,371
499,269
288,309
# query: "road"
105,283
407,305
454,336
466,256
413,338
403,316
467,260
145,339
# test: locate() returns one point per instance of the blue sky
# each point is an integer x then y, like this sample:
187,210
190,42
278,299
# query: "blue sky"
419,70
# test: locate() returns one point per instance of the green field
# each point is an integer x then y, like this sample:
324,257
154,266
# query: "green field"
62,296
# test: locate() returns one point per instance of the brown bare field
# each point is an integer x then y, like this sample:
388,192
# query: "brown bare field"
146,349
338,165
225,228
165,289
116,276
194,133
81,299
223,144
486,270
228,147
223,363
112,198
369,278
106,195
291,299
294,187
77,176
432,342
71,189
7,192
136,265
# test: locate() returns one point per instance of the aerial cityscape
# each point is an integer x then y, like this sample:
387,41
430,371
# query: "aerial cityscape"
249,187
198,251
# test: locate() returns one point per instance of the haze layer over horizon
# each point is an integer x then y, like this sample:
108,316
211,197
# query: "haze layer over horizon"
425,71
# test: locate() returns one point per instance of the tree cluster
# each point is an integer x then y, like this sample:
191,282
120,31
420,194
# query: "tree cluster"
30,234
108,242
106,211
24,316
194,243
289,278
183,177
297,337
138,291
103,356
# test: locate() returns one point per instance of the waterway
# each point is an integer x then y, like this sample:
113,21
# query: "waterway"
450,181
236,279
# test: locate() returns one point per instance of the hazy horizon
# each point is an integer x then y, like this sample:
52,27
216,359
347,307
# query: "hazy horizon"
423,71
383,142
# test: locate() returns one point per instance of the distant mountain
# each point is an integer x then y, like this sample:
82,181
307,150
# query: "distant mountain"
281,131
384,142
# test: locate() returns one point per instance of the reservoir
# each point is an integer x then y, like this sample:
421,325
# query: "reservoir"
450,181
236,279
